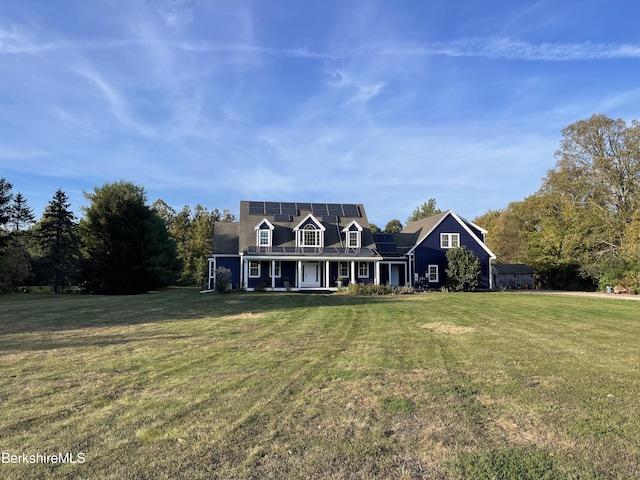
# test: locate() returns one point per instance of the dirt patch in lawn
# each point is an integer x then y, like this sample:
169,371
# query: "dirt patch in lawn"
245,315
447,328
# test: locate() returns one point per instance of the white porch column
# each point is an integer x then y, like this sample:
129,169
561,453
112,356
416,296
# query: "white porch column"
377,270
211,281
245,270
273,274
353,272
327,272
299,279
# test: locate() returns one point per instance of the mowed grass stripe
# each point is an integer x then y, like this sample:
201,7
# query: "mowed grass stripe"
182,385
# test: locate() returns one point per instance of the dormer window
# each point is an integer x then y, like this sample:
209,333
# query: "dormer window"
264,238
264,234
353,235
310,233
353,239
310,236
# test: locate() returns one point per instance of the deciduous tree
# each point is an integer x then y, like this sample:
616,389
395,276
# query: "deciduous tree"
427,209
463,269
393,226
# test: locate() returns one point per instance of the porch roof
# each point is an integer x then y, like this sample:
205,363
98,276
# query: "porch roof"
325,252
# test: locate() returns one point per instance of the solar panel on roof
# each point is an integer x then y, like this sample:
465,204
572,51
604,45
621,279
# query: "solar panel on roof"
303,206
281,217
256,208
289,208
334,209
385,243
330,218
271,207
350,210
319,208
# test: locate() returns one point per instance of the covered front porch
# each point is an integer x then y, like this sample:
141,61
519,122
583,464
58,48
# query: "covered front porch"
299,274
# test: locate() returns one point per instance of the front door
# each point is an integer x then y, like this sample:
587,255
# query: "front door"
310,274
394,279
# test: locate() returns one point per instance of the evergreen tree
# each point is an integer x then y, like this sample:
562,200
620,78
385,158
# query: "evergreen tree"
6,195
21,214
58,240
126,245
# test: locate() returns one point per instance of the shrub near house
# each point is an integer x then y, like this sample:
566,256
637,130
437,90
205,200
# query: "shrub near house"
463,271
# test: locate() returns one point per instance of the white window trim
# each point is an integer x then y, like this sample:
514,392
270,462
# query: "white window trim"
317,225
360,265
358,235
317,234
278,273
260,238
353,234
251,262
448,239
269,229
343,273
437,276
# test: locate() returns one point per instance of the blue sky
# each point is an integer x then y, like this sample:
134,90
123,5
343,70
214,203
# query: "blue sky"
386,103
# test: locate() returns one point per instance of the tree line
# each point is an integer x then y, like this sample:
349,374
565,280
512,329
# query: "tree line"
581,229
121,245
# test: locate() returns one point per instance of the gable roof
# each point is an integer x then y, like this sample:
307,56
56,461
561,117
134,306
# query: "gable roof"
226,235
285,217
423,227
513,269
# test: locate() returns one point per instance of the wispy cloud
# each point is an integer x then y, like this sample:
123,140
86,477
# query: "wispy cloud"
360,91
510,49
498,48
117,102
21,155
176,13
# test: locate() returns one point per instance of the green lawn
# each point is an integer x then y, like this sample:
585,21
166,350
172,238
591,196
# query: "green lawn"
183,385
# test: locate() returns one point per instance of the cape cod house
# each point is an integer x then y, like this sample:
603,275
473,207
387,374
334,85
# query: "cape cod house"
310,246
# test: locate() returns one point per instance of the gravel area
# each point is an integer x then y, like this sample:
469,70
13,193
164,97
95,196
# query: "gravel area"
616,296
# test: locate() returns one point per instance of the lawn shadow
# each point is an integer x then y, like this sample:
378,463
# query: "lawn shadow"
54,313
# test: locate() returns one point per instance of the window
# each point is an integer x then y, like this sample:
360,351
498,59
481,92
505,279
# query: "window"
276,272
343,270
353,235
309,233
309,237
353,239
449,240
432,273
254,269
264,238
264,233
363,269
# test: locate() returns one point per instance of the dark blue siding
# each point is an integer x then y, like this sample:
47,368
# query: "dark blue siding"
287,269
233,264
368,279
430,253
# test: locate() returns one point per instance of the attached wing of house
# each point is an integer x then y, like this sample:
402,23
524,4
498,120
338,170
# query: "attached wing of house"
309,246
433,236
